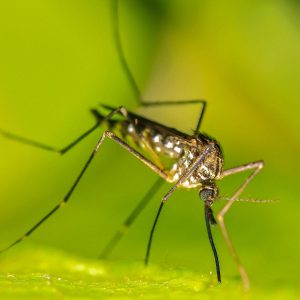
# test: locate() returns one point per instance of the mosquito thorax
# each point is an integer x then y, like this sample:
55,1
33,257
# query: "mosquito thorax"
212,166
181,150
208,170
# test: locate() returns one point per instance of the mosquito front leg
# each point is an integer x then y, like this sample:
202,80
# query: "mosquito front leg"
184,177
189,171
256,167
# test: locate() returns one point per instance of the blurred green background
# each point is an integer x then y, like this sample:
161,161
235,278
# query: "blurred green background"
58,60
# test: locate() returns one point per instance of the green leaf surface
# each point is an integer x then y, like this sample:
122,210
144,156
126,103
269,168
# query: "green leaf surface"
39,273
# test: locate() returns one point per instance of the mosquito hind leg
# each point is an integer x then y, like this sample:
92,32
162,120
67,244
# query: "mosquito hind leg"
180,102
130,77
256,167
131,218
67,196
63,202
120,51
43,146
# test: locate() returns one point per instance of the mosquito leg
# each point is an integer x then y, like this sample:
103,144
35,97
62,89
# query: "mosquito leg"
120,233
27,141
112,136
180,102
165,198
99,119
36,144
63,150
250,166
129,75
131,218
120,51
256,167
185,176
126,69
162,173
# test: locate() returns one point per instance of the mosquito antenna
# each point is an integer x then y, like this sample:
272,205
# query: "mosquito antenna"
208,215
120,50
249,200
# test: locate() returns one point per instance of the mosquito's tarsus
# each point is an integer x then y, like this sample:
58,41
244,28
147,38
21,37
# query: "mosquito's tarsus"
197,160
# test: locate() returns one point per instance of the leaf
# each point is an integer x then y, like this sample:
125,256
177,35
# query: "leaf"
42,273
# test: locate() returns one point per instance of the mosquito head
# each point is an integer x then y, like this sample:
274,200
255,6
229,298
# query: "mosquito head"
208,194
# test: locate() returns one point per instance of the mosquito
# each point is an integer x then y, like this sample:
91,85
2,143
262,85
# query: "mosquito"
195,161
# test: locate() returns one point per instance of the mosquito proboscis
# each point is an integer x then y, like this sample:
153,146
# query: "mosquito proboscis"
195,160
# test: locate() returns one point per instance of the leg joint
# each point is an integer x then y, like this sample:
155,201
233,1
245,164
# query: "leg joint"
261,164
220,217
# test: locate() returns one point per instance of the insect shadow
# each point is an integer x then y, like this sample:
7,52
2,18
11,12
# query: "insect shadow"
195,161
